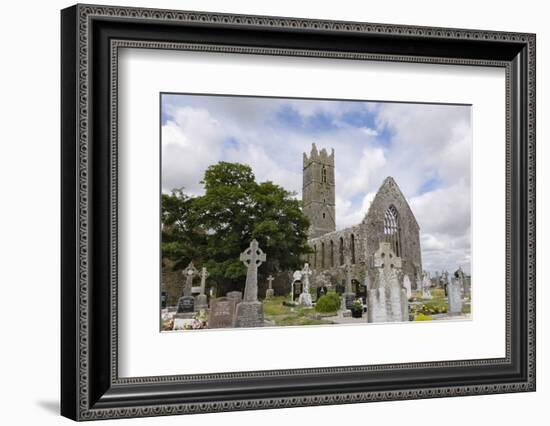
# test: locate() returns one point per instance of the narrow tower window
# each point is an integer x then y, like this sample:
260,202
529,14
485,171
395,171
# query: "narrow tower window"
324,175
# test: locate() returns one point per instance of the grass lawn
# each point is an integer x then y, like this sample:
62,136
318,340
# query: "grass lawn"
437,304
281,315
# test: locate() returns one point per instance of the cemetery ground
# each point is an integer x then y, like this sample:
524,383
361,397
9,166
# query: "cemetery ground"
279,313
434,308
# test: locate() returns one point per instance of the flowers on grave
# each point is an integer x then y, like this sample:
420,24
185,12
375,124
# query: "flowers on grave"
422,317
198,322
357,308
168,325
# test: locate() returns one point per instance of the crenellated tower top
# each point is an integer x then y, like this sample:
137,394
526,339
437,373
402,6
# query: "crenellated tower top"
319,191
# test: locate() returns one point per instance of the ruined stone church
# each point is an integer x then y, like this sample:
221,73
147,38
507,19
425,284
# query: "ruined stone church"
389,220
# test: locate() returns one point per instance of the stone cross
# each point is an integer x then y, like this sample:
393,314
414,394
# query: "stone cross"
270,282
306,272
189,273
252,257
204,276
387,302
386,259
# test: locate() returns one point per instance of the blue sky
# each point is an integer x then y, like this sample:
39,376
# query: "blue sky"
425,147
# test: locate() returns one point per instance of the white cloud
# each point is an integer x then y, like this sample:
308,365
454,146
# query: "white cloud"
191,141
444,217
348,214
426,148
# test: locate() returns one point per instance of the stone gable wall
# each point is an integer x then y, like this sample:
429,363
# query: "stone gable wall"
390,194
367,237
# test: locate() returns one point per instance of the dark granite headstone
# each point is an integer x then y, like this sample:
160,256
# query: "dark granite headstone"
222,312
340,289
297,289
321,291
354,284
186,305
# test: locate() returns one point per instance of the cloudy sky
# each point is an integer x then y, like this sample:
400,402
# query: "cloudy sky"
425,147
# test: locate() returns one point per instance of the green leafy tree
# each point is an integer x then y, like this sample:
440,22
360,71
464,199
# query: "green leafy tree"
215,228
182,236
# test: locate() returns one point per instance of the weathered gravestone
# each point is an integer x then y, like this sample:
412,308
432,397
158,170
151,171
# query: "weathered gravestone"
222,312
444,280
454,291
321,291
269,292
235,295
426,285
407,286
186,303
387,301
201,301
467,287
250,312
305,297
459,273
349,295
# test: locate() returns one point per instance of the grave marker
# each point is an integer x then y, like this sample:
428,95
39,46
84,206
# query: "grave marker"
250,312
222,312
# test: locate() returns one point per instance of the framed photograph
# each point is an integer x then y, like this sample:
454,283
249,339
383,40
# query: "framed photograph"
264,212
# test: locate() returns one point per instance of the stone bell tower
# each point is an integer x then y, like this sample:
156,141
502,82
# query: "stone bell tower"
318,192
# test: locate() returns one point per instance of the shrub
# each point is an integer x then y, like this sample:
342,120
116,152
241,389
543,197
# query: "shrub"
330,302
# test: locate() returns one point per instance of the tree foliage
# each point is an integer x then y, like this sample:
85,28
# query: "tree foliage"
213,229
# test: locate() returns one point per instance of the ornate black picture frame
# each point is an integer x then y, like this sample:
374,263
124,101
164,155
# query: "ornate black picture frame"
91,36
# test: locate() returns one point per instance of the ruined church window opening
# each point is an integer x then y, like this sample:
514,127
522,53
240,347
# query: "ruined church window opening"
352,249
324,175
315,256
331,254
392,229
341,251
323,255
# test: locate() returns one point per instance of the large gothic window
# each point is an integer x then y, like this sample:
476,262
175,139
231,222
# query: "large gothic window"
341,251
392,232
